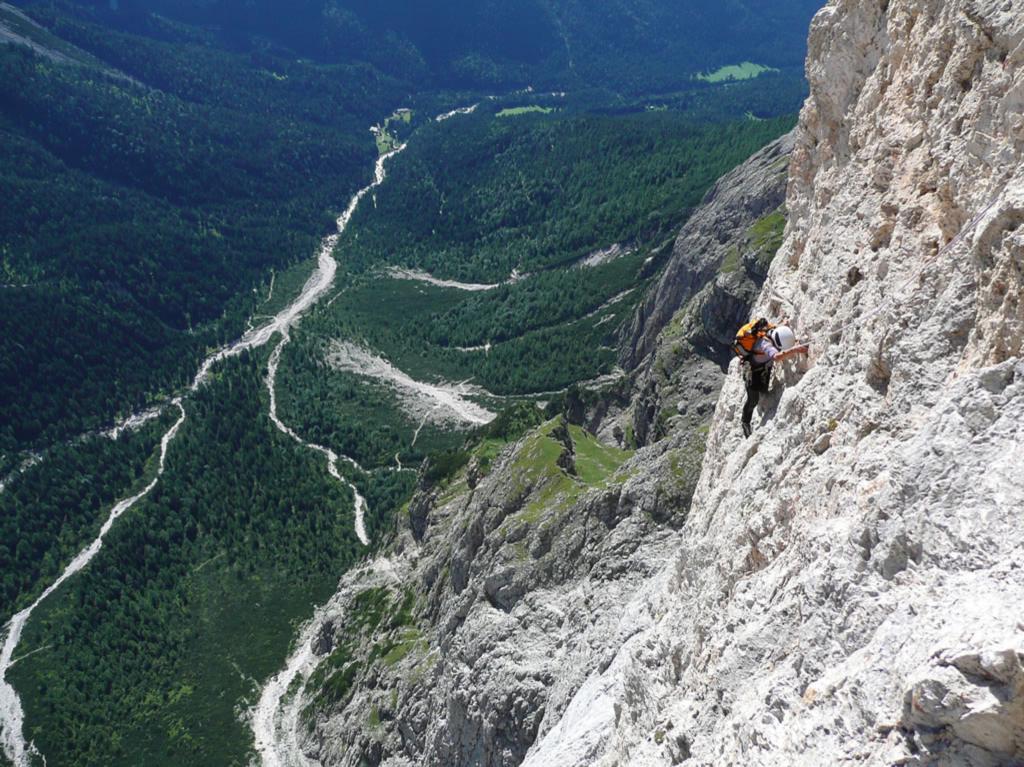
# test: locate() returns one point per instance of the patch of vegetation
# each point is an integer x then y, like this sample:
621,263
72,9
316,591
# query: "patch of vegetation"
484,444
767,234
377,619
732,262
596,462
368,608
385,142
445,464
408,642
395,128
551,488
762,240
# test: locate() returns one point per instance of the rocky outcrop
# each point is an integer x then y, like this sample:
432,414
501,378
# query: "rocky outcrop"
525,564
849,583
678,341
513,578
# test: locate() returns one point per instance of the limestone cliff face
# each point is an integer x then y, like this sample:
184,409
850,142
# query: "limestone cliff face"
677,344
844,587
714,235
849,583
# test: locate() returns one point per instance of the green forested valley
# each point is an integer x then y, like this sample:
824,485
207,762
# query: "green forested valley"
137,212
144,657
168,170
480,199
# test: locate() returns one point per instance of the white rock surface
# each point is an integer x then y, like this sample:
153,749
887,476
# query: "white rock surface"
850,586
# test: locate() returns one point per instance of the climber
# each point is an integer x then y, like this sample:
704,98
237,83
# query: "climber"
760,345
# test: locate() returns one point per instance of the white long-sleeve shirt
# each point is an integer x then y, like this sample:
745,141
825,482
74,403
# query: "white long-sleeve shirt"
764,352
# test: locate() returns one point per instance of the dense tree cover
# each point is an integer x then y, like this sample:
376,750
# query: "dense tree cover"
553,358
644,47
619,45
53,509
361,420
195,592
192,150
492,195
769,95
509,425
133,212
186,62
470,184
544,300
538,360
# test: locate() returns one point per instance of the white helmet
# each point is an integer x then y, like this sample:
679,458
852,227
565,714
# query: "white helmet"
783,338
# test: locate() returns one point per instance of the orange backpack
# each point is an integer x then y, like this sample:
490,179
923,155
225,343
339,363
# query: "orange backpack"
748,336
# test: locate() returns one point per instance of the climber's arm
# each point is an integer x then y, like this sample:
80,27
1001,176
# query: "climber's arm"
799,349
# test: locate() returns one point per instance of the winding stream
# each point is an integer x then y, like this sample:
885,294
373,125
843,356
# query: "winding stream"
11,712
322,279
12,715
275,718
332,457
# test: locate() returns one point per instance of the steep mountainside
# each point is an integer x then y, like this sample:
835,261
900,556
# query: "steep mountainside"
519,567
848,582
678,340
846,585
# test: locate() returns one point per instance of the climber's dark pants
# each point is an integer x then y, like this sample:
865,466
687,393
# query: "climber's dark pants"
758,379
